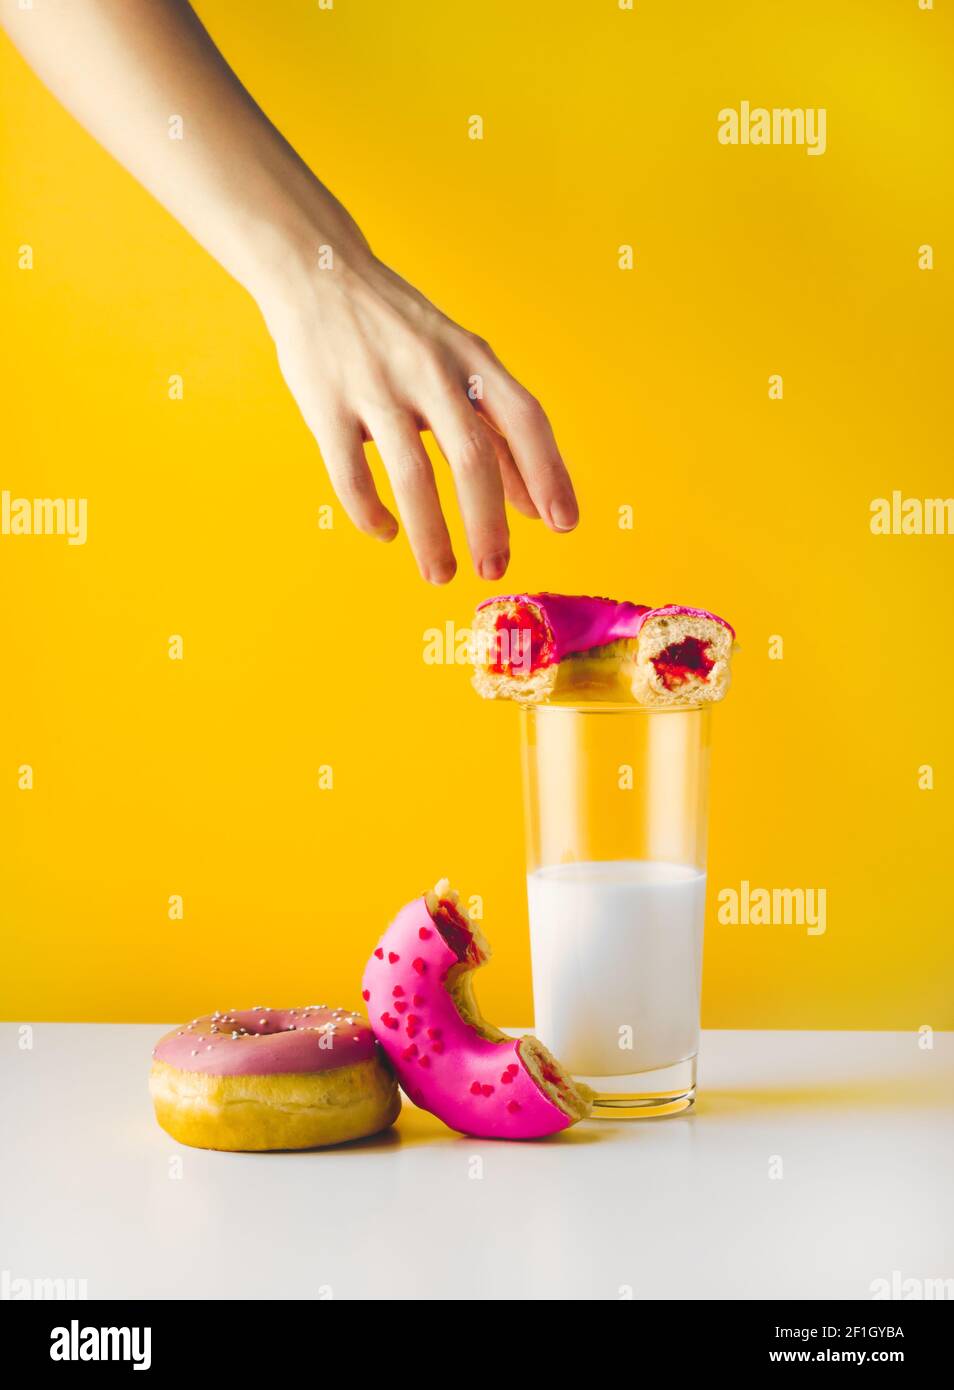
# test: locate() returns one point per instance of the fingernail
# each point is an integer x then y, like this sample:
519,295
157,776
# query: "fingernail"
441,574
564,514
493,566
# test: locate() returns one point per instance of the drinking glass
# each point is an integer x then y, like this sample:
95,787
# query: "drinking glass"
616,820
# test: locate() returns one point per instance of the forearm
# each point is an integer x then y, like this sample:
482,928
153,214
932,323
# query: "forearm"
364,353
123,68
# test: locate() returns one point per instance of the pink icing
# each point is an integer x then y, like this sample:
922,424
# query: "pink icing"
676,609
267,1041
476,1086
578,623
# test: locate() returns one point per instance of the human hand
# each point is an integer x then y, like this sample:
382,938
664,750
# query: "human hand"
367,357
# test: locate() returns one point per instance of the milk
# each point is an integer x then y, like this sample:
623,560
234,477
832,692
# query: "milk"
617,963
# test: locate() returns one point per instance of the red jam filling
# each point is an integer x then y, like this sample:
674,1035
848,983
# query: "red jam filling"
455,931
522,643
683,661
547,1073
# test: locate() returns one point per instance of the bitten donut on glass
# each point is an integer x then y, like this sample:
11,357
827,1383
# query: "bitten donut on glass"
682,657
263,1078
450,1060
535,647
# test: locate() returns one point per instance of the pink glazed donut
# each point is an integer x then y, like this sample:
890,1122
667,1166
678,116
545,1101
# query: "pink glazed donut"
449,1059
682,657
534,648
262,1078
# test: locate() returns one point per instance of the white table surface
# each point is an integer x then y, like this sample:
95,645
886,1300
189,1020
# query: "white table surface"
682,1207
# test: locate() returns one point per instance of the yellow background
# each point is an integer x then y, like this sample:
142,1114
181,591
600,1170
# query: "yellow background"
304,647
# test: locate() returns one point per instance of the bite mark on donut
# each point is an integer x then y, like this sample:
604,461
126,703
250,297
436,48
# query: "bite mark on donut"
553,1079
472,950
458,933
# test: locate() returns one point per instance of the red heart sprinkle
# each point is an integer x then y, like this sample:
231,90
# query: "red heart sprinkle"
365,995
487,1090
425,1061
398,989
475,1089
513,1069
400,1005
513,1107
393,957
433,1032
410,1052
418,1000
388,1021
411,1030
437,1047
418,965
424,933
507,1079
379,953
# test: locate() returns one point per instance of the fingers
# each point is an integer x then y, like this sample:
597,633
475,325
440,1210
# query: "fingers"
465,441
523,423
343,452
515,489
415,492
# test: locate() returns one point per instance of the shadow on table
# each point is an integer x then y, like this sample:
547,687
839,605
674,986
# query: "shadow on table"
414,1128
890,1093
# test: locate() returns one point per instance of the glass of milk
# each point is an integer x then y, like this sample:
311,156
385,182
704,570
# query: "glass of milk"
616,813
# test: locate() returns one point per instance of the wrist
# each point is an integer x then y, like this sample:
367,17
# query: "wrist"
289,254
